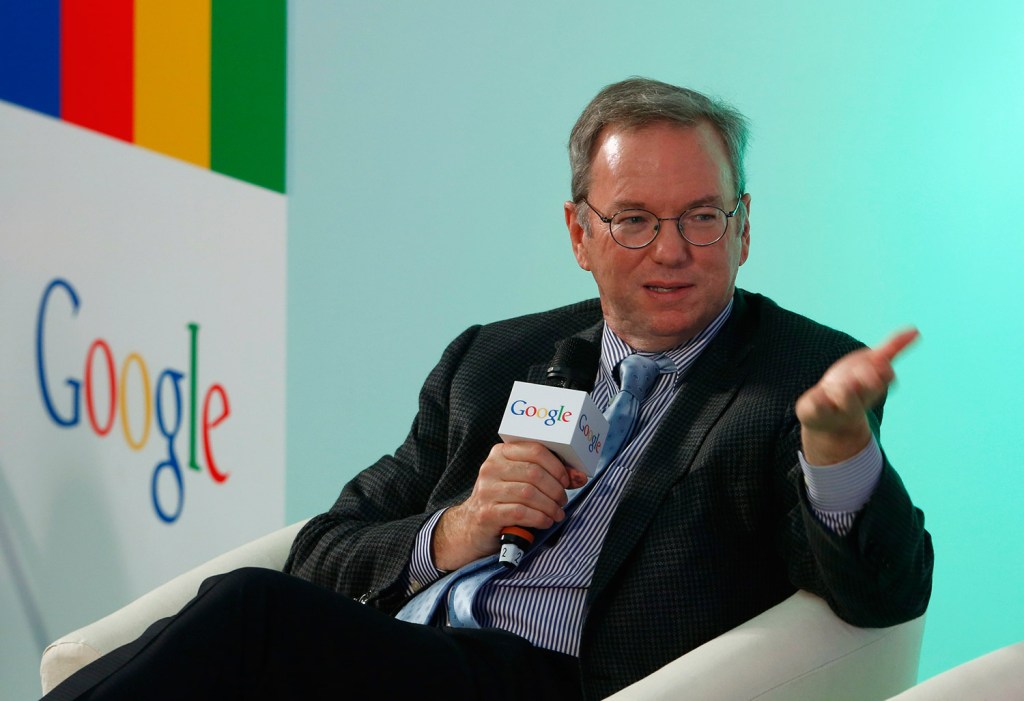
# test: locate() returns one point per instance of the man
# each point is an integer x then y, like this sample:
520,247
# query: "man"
753,469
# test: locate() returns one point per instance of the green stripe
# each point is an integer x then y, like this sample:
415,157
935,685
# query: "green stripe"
247,82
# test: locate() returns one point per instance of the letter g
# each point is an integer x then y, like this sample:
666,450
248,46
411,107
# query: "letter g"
75,385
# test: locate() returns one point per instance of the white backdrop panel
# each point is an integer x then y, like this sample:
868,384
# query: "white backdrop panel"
179,271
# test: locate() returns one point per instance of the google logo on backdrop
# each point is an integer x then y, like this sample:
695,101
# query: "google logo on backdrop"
102,384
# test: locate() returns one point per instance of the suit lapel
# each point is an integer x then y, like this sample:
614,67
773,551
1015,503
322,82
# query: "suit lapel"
705,393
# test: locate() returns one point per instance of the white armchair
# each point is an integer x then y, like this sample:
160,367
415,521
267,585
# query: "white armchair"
796,651
67,655
997,676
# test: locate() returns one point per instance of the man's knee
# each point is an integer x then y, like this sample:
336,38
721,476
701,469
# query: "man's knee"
246,585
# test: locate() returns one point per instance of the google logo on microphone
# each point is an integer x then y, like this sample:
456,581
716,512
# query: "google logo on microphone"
101,383
550,416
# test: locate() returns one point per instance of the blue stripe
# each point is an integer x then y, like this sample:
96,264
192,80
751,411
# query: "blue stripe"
30,54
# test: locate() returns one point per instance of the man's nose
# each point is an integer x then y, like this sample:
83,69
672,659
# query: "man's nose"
669,247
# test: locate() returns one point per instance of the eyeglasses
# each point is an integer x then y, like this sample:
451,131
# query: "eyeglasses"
636,228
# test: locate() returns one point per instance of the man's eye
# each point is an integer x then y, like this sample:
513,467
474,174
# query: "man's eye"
632,219
702,217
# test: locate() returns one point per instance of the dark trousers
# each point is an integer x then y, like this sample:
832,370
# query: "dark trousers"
260,634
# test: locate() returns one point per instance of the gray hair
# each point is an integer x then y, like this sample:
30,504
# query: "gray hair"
637,102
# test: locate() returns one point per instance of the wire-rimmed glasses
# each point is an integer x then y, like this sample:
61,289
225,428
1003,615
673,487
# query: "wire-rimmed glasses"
635,228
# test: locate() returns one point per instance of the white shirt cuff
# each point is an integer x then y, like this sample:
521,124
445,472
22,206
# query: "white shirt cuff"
846,486
422,571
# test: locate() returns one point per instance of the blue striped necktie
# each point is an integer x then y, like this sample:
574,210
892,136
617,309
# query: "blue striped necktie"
637,376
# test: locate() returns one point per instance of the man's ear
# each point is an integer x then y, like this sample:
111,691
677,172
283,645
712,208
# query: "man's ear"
576,235
745,235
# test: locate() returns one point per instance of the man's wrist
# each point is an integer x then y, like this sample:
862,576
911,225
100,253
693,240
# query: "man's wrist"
449,547
825,448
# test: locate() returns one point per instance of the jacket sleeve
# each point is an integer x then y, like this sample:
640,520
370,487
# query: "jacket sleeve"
880,573
362,545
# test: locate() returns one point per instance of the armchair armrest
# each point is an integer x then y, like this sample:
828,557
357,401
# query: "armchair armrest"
798,650
75,650
997,675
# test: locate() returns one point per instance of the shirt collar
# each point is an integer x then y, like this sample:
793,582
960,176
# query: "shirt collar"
614,349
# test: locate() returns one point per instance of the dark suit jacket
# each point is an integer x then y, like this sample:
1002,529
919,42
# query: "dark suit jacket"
712,529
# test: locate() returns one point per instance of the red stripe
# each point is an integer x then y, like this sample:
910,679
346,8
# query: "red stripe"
97,65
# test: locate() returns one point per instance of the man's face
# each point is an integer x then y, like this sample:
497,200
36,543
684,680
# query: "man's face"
660,296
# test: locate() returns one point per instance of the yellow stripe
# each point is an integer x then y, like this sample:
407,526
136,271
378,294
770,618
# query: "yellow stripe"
172,78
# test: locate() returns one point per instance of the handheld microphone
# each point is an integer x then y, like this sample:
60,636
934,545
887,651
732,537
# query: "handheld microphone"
560,415
574,365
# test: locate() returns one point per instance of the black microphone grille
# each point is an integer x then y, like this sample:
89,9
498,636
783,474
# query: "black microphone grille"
574,364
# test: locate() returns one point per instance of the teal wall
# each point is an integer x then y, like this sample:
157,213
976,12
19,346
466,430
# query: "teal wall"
427,174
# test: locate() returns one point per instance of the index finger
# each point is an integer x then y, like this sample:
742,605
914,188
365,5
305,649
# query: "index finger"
895,344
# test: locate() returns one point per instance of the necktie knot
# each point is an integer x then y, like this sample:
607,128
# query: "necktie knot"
638,372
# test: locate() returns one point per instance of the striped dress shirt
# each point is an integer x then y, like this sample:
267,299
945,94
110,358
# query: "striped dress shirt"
543,599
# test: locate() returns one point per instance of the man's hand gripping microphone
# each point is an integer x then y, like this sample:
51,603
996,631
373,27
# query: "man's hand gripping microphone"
574,366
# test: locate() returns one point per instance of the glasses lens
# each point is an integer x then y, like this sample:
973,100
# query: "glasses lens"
633,228
702,226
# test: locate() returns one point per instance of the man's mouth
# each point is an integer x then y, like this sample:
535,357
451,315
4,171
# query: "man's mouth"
665,288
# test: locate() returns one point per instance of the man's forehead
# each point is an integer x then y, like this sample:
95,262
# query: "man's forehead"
649,152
